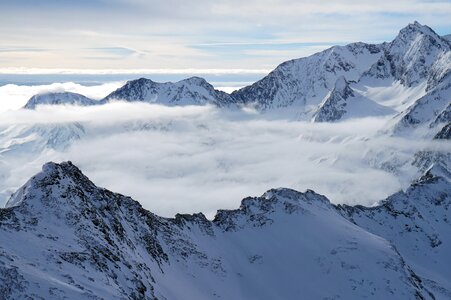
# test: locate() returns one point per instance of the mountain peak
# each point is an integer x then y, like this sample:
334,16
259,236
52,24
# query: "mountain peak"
410,35
59,98
418,28
63,176
195,80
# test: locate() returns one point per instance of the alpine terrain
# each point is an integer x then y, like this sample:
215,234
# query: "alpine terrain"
63,237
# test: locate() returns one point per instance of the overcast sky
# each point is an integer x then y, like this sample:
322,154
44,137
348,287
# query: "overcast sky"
203,34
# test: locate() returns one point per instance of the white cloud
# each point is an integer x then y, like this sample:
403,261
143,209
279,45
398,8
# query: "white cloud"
190,159
13,96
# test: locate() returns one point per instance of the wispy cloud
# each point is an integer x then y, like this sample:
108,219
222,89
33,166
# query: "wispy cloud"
21,49
199,34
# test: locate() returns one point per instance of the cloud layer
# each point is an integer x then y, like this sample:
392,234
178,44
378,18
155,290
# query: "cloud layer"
191,159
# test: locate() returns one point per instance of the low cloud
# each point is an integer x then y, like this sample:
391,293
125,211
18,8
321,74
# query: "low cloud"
191,159
14,96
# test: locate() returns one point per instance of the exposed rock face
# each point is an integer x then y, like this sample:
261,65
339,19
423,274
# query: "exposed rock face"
191,91
64,98
61,236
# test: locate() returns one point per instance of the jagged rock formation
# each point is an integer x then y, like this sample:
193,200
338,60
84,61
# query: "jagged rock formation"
61,236
63,98
444,133
343,103
190,91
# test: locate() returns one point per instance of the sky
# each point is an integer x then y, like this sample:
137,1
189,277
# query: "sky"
204,36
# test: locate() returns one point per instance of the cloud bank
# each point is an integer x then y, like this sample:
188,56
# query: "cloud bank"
191,159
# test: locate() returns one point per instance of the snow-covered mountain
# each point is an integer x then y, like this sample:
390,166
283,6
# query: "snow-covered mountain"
417,223
343,103
428,112
301,84
190,91
415,55
411,75
63,237
59,98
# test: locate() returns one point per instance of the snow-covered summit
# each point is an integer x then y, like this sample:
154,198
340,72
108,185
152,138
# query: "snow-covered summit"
63,237
59,98
415,55
190,91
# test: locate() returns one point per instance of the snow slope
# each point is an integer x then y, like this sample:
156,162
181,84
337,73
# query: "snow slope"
417,223
61,236
343,103
301,84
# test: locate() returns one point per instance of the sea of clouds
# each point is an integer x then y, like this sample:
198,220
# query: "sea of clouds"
200,159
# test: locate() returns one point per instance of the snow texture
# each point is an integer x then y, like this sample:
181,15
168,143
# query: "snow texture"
61,236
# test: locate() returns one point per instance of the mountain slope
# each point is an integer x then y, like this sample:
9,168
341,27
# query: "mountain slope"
61,236
302,83
418,224
416,54
63,98
343,103
427,112
190,91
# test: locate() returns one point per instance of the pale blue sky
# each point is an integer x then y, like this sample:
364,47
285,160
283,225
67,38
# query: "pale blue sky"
203,34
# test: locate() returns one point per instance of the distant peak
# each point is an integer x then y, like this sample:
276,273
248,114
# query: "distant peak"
415,28
195,80
139,81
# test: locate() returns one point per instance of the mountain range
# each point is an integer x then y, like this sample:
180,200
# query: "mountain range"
64,237
407,78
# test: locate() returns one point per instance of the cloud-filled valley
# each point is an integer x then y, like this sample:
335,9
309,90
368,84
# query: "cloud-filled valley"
199,158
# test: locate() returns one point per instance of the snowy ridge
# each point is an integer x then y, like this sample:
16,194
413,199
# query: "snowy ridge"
190,91
302,83
343,102
417,222
89,242
427,112
417,53
411,75
62,98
